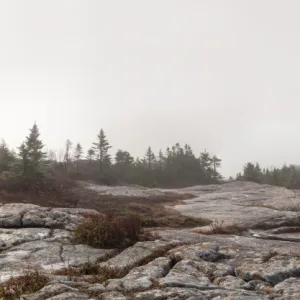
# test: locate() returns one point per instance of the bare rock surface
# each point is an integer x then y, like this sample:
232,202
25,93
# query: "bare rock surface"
260,262
244,203
141,277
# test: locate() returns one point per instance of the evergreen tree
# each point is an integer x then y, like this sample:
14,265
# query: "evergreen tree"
161,160
258,173
6,156
23,154
250,172
207,165
78,153
149,158
34,146
31,153
101,147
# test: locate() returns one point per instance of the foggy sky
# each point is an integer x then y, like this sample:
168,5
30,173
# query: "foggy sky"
216,74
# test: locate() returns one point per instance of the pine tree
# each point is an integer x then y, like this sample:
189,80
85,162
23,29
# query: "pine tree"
78,153
101,147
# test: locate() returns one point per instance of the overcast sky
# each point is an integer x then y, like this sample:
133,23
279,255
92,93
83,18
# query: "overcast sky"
216,74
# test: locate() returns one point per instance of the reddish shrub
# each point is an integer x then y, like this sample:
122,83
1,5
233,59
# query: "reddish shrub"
108,231
29,283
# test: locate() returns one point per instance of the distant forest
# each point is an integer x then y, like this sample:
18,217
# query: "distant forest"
175,166
286,176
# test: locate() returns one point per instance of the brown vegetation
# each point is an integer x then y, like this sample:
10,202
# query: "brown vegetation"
63,192
96,273
109,231
45,192
152,211
26,284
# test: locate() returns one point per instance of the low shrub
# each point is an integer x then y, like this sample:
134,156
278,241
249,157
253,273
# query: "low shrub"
109,231
97,274
36,186
26,284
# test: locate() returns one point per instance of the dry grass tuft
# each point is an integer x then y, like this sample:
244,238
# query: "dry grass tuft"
98,274
26,284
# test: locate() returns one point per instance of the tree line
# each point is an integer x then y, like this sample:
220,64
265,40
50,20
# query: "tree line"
175,166
286,176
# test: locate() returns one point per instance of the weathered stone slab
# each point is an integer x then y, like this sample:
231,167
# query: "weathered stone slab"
244,203
114,296
288,289
272,272
49,291
141,277
187,273
196,294
136,254
77,255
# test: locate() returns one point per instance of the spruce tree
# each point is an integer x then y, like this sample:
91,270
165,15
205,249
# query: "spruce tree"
23,154
249,172
78,153
6,156
206,164
161,160
149,158
31,152
101,148
34,146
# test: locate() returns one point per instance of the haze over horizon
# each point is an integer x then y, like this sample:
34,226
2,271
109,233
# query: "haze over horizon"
218,75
